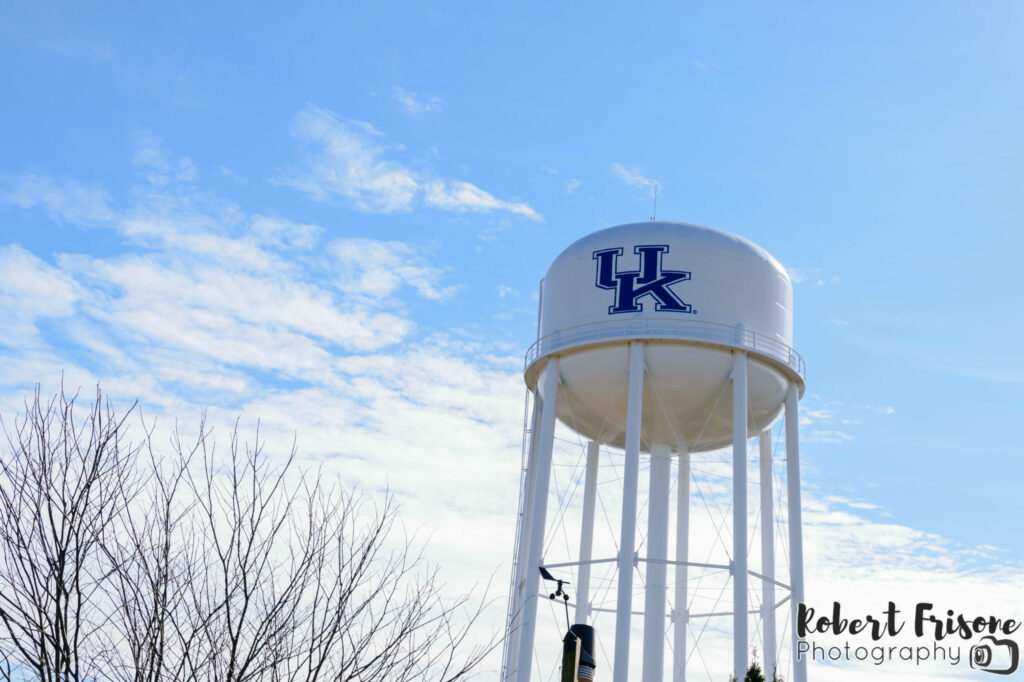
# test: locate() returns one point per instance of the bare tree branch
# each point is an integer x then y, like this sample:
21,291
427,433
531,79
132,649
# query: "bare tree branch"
121,562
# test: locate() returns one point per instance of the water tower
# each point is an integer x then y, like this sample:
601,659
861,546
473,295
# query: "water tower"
657,342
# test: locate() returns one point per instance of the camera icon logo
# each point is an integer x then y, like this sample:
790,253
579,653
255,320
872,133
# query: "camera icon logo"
998,656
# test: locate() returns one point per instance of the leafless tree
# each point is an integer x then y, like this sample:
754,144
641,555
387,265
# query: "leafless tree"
62,481
206,565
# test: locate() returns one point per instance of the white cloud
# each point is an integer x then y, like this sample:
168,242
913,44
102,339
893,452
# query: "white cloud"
572,185
821,421
161,168
837,499
233,317
212,296
31,290
463,197
62,200
881,409
350,162
349,165
799,275
701,65
285,233
814,275
810,416
376,269
416,103
36,285
632,177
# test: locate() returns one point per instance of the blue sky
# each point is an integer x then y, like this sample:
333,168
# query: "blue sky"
273,210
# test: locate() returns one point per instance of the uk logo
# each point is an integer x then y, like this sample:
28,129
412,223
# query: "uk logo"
650,280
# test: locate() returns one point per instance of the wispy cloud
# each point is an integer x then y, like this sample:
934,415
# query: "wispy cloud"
833,436
814,276
31,290
285,233
810,416
836,321
416,103
704,65
837,499
350,161
572,185
160,167
826,423
63,200
376,269
213,290
191,302
632,177
464,197
880,409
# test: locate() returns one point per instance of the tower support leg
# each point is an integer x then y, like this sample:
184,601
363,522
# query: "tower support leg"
545,443
587,533
657,549
796,542
681,614
523,546
767,553
739,512
627,536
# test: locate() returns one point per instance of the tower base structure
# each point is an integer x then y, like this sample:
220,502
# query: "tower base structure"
662,621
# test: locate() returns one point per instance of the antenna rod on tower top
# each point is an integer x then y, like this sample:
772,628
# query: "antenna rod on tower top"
654,213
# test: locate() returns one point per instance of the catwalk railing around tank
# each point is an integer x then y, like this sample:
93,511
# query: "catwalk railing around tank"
699,331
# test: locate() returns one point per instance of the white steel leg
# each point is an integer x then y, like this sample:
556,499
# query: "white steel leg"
739,512
796,543
657,548
627,538
767,553
682,556
545,444
587,533
516,607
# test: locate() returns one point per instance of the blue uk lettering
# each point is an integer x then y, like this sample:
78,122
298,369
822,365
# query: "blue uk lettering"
632,285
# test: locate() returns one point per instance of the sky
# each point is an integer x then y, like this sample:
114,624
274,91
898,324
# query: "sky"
333,218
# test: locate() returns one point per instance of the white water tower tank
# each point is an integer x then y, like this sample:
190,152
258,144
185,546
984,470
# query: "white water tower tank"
694,294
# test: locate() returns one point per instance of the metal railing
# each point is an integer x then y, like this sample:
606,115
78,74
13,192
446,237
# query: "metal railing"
675,330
